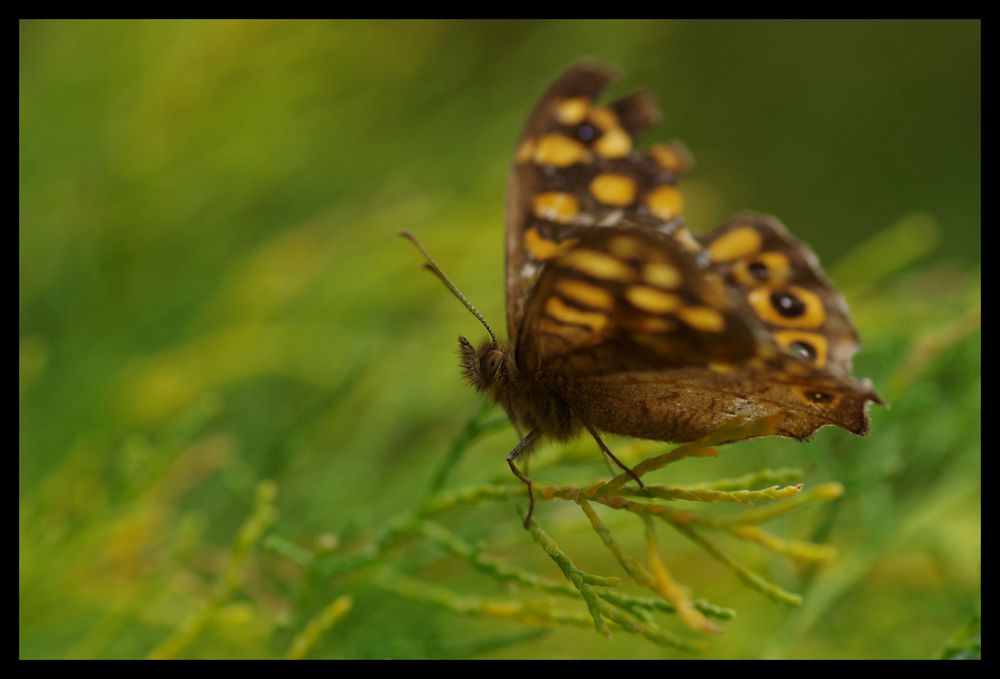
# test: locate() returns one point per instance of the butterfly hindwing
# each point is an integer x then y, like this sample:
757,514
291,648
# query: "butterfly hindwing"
785,288
685,404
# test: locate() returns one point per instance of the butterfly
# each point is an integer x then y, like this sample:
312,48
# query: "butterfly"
622,321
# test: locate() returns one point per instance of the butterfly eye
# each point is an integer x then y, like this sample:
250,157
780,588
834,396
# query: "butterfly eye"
491,364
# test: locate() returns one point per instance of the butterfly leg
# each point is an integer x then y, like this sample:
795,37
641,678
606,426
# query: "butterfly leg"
521,449
614,459
527,460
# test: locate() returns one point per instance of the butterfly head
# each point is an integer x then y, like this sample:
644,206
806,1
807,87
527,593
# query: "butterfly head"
486,367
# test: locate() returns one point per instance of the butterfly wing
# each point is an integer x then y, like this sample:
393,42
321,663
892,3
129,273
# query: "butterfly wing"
575,166
643,330
782,282
642,337
628,298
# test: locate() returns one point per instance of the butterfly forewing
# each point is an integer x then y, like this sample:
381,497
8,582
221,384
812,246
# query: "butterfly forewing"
576,166
627,298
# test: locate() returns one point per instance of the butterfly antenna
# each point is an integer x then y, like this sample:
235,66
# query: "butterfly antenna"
432,266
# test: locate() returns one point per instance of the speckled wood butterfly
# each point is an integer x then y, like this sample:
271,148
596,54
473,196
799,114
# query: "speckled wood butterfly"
621,320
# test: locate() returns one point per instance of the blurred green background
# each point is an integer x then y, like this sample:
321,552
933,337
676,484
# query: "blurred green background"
212,295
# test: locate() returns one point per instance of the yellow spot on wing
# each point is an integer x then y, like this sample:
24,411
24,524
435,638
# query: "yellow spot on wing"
569,335
703,318
541,248
812,316
776,263
652,300
689,242
572,111
585,294
666,202
662,275
597,264
655,325
561,311
615,143
670,157
525,151
735,244
604,118
613,189
560,151
785,338
556,207
625,246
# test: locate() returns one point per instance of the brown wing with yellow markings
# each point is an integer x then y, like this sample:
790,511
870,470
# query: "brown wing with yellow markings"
643,338
783,284
576,166
630,298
